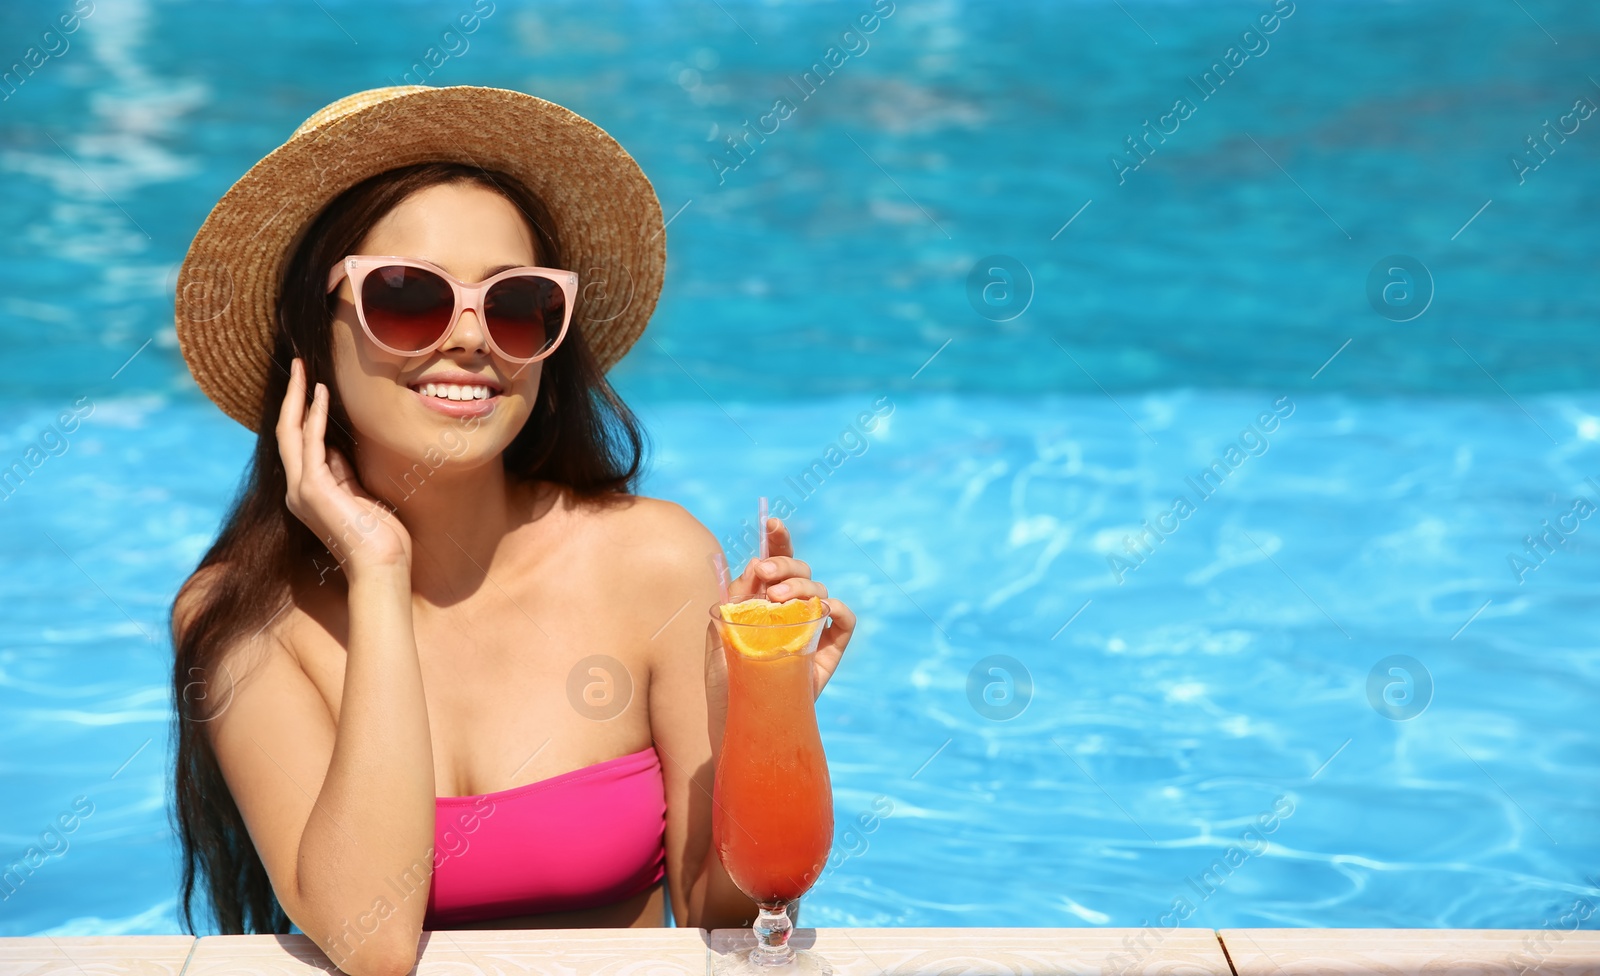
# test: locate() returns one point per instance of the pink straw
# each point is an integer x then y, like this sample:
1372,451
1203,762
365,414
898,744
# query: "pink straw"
761,531
721,565
761,526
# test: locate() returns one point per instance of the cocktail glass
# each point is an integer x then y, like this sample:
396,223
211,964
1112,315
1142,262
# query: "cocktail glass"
772,807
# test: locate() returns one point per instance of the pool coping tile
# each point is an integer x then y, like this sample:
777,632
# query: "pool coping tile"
851,951
1007,951
1460,952
565,952
468,952
126,955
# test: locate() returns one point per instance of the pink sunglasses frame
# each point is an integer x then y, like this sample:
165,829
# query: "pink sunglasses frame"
356,267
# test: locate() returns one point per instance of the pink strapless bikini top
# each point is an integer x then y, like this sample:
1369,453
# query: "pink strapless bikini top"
585,838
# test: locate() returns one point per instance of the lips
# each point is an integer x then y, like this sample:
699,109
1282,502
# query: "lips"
456,391
458,408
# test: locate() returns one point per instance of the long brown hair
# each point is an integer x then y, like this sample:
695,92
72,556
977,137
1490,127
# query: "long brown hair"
580,435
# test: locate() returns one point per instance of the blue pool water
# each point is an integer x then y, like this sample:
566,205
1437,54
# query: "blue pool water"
1229,673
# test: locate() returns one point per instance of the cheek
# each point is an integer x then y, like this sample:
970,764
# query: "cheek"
367,378
377,404
517,409
525,394
356,361
528,384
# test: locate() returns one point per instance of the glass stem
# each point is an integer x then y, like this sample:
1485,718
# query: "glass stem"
772,930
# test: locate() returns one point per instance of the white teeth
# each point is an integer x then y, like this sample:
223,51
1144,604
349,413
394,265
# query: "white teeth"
451,391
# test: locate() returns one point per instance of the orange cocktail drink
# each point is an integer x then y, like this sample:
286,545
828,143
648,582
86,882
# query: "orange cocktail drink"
772,811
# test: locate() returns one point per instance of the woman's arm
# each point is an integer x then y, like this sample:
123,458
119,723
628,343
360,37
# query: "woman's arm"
337,812
688,703
681,587
341,814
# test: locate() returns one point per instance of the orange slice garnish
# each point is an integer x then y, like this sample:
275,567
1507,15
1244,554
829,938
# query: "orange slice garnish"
772,638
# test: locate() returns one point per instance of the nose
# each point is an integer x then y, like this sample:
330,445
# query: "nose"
467,334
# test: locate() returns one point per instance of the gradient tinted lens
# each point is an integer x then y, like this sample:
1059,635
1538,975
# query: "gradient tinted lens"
406,308
524,314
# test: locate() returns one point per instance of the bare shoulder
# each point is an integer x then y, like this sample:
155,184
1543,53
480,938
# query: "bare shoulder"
653,533
196,593
670,521
659,554
192,597
267,724
243,651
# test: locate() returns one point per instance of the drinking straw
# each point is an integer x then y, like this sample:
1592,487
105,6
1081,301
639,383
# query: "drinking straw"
722,574
761,527
763,552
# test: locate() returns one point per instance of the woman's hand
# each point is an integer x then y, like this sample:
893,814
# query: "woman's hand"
788,579
324,492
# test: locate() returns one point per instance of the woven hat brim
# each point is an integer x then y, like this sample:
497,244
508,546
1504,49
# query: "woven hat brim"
607,216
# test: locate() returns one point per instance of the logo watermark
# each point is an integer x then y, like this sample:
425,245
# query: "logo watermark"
1399,688
1399,288
1252,442
1255,44
852,841
1252,843
52,843
452,44
1536,549
1541,149
53,442
53,43
999,287
999,687
599,687
852,442
413,879
852,43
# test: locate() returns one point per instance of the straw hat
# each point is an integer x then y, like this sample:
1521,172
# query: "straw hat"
606,214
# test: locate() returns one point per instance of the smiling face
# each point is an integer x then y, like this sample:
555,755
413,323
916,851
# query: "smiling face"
471,232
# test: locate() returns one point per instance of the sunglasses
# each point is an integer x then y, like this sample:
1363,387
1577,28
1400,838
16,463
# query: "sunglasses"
408,306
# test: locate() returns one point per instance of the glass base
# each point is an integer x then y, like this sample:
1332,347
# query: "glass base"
757,962
772,953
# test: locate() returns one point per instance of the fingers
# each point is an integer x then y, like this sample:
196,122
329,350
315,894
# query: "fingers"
841,615
780,568
831,649
289,420
797,588
344,473
778,541
785,578
780,551
313,450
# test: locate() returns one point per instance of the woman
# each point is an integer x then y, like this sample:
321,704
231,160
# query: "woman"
441,667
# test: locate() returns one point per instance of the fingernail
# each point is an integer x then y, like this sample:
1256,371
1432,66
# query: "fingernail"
778,590
768,566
